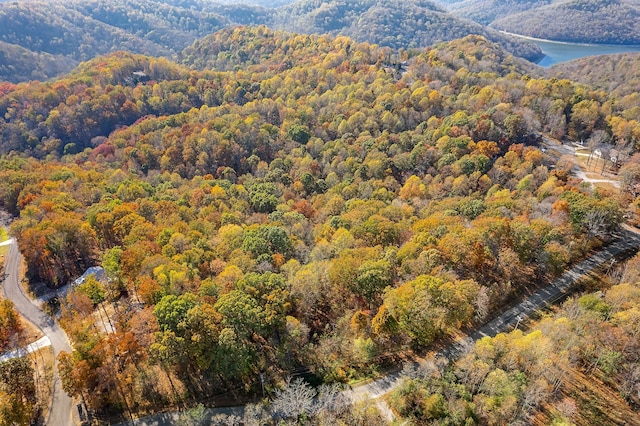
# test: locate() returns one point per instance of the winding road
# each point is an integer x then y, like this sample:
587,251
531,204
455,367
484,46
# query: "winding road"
60,409
627,244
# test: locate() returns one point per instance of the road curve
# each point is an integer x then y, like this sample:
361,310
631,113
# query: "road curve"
60,410
626,244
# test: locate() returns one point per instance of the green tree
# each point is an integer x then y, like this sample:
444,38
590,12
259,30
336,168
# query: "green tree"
16,377
429,306
299,133
262,197
93,289
171,311
241,313
373,277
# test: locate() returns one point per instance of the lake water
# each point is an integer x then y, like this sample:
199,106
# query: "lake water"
561,52
557,51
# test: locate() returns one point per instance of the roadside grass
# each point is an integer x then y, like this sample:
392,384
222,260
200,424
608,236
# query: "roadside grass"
593,402
30,333
3,237
43,362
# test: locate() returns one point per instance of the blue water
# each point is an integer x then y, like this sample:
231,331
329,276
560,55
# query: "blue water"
561,52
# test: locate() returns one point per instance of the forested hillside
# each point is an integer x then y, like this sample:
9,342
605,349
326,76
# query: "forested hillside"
264,3
579,364
18,63
394,23
601,21
486,11
578,21
618,74
80,30
281,203
54,36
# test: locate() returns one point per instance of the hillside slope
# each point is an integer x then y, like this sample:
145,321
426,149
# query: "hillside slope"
394,23
601,21
618,74
580,21
78,30
297,203
16,61
486,11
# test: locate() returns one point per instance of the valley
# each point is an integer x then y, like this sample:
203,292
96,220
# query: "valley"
282,215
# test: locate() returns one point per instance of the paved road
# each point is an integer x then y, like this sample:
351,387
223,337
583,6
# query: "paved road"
626,245
60,412
564,149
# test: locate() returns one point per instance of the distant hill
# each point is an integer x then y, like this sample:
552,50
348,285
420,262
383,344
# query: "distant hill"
580,21
618,74
486,11
78,30
591,21
232,49
17,61
394,23
263,3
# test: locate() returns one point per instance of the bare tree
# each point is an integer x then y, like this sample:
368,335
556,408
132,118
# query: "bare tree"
534,394
482,303
294,400
567,407
331,404
629,176
631,383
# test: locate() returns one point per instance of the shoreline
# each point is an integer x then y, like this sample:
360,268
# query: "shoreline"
568,43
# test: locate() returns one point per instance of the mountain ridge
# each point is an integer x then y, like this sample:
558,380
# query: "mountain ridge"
596,22
79,30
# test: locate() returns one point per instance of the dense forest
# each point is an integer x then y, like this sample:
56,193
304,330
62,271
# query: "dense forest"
42,39
618,74
395,23
77,31
278,203
577,21
263,3
578,362
486,11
